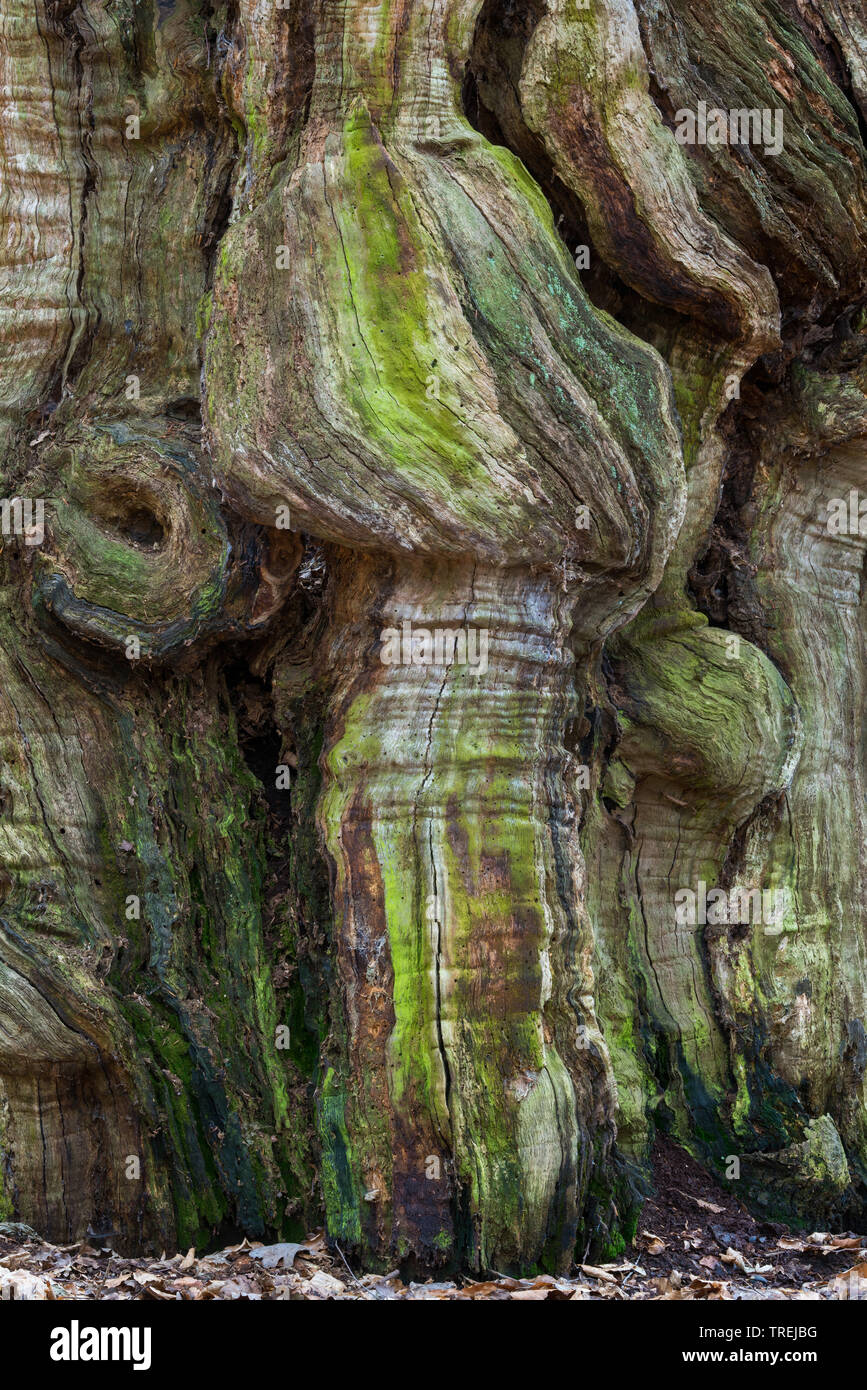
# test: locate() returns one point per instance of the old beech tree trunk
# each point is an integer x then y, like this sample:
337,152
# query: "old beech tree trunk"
296,349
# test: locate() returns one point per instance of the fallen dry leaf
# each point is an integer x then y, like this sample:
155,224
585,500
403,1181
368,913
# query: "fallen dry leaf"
324,1285
734,1257
20,1286
654,1245
596,1273
273,1255
700,1202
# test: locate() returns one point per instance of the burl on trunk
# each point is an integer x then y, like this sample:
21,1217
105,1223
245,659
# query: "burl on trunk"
430,629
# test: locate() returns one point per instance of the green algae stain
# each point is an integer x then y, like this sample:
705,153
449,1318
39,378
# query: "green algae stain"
338,1186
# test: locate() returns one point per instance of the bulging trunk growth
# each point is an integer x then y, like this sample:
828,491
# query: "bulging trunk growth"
445,578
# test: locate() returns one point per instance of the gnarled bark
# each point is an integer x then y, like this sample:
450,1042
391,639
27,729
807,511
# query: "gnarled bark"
298,913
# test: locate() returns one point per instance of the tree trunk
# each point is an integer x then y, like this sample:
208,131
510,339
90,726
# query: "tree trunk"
449,576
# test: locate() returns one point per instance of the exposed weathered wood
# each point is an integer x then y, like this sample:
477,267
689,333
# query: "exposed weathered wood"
296,916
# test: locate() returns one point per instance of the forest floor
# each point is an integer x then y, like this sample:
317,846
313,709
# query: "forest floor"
695,1242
